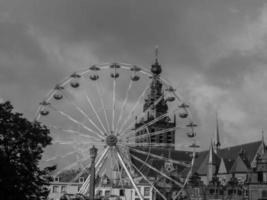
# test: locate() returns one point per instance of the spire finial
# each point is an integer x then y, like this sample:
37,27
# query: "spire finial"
156,53
156,68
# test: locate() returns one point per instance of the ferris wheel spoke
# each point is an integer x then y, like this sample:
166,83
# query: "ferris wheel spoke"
156,170
87,117
66,154
78,143
129,175
70,131
77,122
132,110
100,94
72,165
150,123
161,157
95,112
89,101
149,134
150,183
123,105
99,164
153,145
142,114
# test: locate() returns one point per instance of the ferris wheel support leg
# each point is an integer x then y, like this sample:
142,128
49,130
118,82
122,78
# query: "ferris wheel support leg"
129,175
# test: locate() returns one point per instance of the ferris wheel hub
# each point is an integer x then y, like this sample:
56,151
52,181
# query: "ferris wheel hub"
111,140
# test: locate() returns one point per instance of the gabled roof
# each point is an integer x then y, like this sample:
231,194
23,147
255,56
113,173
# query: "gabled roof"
239,166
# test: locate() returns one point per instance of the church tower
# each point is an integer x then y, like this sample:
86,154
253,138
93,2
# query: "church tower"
155,107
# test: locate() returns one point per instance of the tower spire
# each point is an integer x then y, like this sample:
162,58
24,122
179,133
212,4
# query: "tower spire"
217,142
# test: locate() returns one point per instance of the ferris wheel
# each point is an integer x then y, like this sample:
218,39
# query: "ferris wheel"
130,114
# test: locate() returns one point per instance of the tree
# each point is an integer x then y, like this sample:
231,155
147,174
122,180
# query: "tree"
21,147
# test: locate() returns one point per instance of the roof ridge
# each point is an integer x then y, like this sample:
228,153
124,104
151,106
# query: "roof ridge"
234,146
258,141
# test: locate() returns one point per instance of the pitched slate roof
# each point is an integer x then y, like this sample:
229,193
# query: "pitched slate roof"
229,155
250,149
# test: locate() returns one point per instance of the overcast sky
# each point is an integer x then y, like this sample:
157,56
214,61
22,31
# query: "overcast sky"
213,51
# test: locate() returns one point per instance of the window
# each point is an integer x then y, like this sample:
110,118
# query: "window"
99,193
146,191
122,192
55,189
63,189
264,193
260,177
107,193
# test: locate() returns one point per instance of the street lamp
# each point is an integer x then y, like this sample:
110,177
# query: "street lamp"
93,153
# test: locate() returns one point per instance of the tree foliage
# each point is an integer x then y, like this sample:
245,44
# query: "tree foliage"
21,147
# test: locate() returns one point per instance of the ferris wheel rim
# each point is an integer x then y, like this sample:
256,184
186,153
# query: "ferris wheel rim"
123,66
